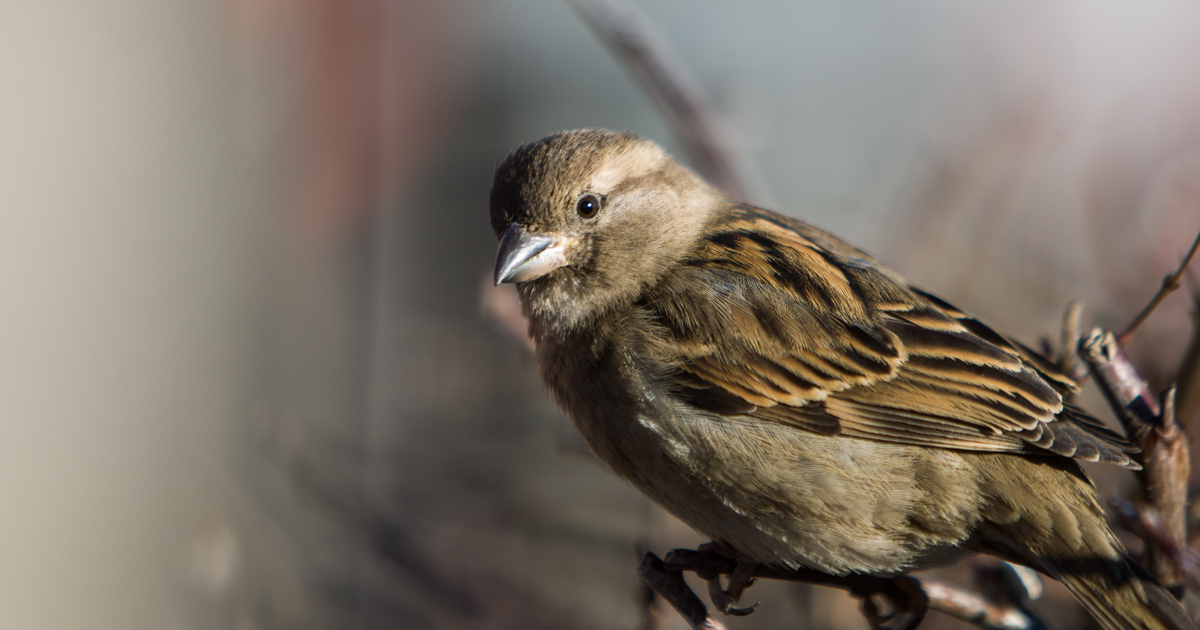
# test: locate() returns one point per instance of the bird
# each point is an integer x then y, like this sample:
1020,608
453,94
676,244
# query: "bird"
791,397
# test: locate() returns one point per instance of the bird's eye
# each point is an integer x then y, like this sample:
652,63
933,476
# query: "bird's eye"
587,206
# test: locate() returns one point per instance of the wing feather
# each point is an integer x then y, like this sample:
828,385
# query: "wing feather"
815,334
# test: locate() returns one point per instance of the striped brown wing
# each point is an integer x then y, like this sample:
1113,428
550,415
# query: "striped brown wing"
802,329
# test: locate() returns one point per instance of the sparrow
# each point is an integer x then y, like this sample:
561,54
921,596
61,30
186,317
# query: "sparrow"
788,395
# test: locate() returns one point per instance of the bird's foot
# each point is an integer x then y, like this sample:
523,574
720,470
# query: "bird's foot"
742,576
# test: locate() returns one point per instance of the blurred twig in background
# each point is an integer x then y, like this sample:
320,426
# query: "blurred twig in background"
708,138
1170,284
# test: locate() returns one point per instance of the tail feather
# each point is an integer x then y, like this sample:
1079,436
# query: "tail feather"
1136,602
1048,517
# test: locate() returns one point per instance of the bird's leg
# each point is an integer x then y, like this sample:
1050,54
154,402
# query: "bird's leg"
740,578
902,597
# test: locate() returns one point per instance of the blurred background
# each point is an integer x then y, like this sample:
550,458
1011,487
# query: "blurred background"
251,375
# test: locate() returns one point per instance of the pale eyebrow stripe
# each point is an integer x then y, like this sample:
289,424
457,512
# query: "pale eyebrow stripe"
638,160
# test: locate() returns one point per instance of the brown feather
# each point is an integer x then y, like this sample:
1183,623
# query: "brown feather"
816,320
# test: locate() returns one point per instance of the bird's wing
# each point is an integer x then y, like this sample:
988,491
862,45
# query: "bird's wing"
802,329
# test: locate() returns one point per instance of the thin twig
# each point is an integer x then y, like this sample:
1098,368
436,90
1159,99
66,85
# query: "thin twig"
1003,608
654,617
1166,469
388,539
974,607
1170,284
1147,523
908,601
668,582
1127,393
1166,464
704,133
1000,600
1067,358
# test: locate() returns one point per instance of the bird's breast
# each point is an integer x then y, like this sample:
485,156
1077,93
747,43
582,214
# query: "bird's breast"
781,495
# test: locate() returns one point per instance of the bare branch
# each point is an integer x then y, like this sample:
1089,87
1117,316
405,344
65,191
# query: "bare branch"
1127,393
1165,460
1146,523
670,585
1164,476
1001,608
907,601
974,607
704,133
1067,358
1170,284
388,539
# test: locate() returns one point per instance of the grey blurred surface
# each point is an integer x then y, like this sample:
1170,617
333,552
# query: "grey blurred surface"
246,381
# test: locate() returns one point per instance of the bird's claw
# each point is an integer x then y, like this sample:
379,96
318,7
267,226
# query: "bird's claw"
725,598
742,576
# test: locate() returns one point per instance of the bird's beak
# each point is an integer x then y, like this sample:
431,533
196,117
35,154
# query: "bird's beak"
524,256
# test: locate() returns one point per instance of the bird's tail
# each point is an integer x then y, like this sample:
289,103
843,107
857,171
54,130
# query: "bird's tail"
1122,596
1066,536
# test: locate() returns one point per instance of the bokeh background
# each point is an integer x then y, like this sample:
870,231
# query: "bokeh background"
248,379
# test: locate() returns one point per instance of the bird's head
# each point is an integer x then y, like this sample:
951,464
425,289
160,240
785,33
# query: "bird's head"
588,218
